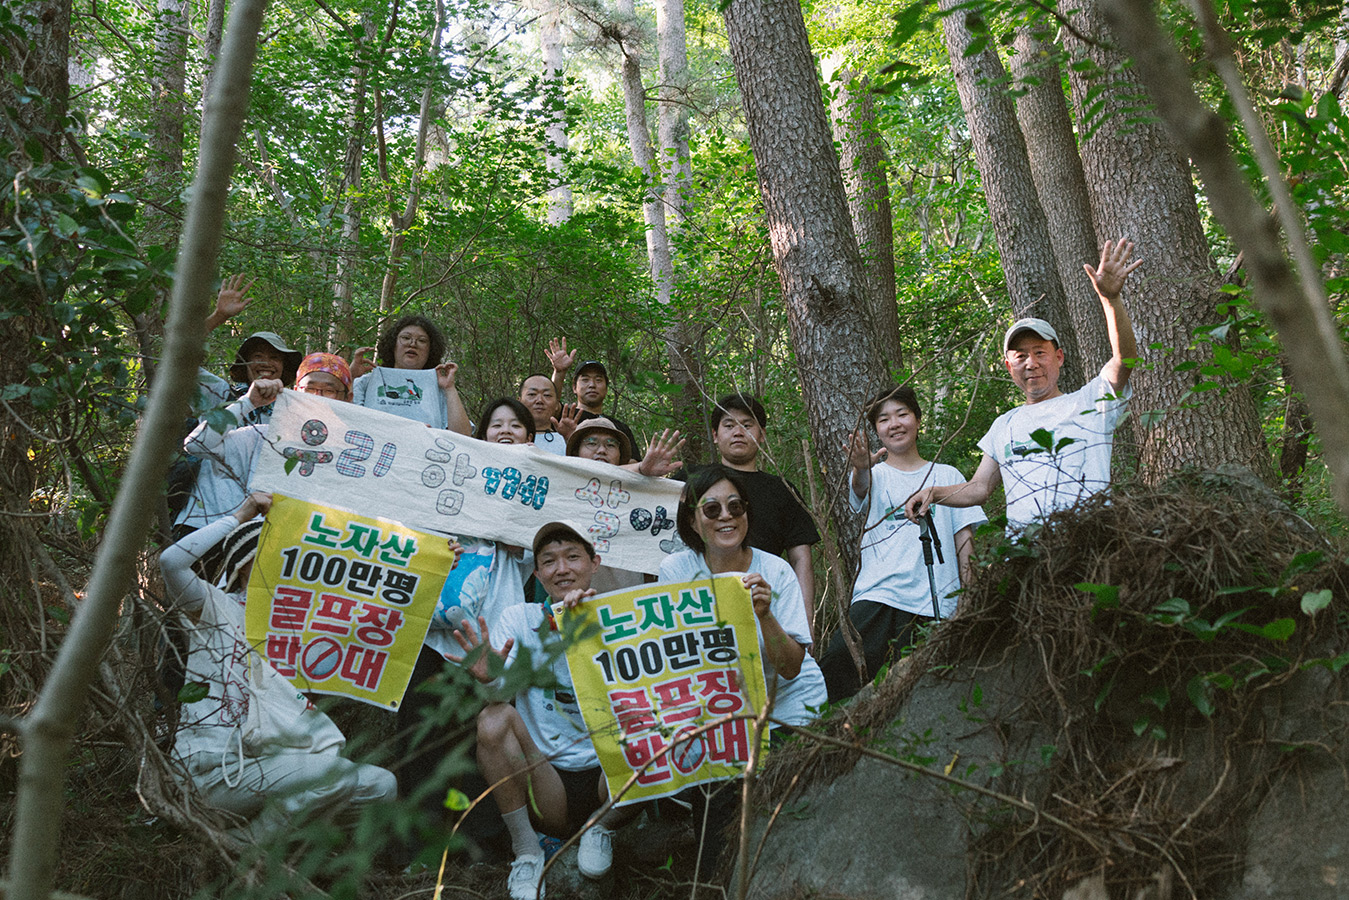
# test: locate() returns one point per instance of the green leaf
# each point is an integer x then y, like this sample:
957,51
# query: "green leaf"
193,691
1315,601
457,800
1159,696
60,614
1200,692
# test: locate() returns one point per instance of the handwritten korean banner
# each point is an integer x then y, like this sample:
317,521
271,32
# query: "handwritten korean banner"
340,603
663,661
382,465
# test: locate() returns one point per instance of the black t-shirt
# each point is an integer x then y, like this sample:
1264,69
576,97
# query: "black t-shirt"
778,519
621,426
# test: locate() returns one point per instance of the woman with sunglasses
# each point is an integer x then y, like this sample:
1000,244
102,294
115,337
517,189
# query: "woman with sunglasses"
713,520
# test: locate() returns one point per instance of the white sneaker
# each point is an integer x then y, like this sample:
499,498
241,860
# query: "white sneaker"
526,879
595,856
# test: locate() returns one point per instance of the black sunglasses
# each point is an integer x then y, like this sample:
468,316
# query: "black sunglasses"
712,508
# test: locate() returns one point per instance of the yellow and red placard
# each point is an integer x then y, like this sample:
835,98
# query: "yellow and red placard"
652,666
339,603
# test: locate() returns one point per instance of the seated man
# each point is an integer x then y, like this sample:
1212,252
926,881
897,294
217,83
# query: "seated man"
538,752
252,745
892,594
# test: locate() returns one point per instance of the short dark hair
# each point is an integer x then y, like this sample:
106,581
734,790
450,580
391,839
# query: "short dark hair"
521,412
738,402
902,393
521,389
386,346
699,483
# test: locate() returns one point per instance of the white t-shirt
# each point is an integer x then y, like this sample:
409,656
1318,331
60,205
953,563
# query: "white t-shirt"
411,393
551,441
552,716
1070,462
892,570
796,697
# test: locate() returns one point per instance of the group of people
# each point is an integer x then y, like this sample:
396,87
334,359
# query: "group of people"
732,518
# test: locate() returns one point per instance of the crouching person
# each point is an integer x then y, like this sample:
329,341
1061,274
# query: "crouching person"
253,745
537,753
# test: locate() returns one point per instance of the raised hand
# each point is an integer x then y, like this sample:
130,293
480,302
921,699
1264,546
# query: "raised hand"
445,373
567,422
558,355
232,299
471,640
1109,276
859,452
659,459
362,361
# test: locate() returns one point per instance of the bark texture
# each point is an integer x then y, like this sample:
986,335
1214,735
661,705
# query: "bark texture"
1019,222
864,165
1310,335
47,731
358,128
814,250
1051,145
1141,188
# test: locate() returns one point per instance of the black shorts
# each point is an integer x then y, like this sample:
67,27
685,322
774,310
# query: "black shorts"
582,788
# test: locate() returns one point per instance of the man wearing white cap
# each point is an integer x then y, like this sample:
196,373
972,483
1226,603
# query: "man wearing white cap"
1054,449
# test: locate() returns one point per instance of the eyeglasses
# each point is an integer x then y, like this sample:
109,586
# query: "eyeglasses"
323,390
416,340
734,507
595,443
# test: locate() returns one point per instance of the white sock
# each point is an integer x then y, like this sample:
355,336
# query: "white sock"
524,842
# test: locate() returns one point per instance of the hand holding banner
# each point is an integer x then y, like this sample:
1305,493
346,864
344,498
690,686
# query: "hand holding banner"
662,661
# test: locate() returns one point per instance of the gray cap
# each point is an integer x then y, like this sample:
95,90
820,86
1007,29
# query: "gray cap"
1039,326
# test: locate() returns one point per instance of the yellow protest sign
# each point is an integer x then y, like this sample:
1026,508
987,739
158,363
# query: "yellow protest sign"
661,662
339,603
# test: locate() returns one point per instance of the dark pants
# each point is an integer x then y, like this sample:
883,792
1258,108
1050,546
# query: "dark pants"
417,765
883,633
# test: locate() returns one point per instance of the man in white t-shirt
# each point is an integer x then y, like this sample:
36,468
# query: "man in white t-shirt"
537,753
1054,449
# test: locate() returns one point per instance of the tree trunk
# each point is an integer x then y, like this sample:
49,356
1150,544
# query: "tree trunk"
863,161
672,139
814,250
1295,302
47,731
554,94
210,45
1019,222
1141,188
400,223
1051,145
357,127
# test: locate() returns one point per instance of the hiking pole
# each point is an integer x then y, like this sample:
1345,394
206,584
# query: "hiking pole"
927,535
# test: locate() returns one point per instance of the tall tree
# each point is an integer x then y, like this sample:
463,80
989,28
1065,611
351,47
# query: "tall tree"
864,165
1140,187
555,134
1019,222
814,251
1042,111
349,189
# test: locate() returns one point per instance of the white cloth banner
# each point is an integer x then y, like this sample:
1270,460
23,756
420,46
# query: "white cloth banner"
377,464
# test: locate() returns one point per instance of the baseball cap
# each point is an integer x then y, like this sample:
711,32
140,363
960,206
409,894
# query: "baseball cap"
554,531
1039,326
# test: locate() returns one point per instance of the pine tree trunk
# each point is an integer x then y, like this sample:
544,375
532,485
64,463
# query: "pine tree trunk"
1019,223
1141,188
1051,145
864,165
814,250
